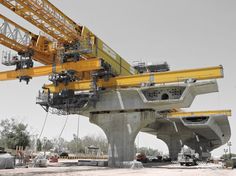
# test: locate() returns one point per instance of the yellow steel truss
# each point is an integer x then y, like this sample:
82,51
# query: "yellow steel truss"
7,38
80,66
52,21
138,80
21,40
46,17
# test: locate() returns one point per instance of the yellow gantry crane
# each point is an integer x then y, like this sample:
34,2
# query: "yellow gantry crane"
74,58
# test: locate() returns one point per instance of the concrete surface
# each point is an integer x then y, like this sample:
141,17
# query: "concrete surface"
122,113
169,170
116,113
121,130
179,95
202,136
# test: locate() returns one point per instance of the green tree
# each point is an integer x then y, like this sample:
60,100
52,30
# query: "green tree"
227,156
98,141
13,133
39,145
76,145
79,145
148,151
47,144
59,144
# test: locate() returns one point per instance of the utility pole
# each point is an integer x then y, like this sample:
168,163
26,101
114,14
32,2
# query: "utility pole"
229,145
225,150
77,141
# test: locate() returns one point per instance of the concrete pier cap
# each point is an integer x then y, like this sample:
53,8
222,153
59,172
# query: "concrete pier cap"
122,113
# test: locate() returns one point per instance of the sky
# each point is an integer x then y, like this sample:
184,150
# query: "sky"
185,33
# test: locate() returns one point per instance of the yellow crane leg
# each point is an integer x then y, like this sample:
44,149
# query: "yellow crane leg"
199,113
139,79
79,66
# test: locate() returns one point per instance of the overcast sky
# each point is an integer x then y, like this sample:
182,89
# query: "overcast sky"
185,33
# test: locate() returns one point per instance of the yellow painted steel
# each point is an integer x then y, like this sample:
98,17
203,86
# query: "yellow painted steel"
46,17
12,44
52,21
40,56
40,45
99,49
80,66
139,79
199,113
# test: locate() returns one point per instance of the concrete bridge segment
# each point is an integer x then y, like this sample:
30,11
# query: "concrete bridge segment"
122,113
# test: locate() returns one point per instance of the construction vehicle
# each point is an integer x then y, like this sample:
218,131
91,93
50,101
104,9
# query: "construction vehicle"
187,156
78,63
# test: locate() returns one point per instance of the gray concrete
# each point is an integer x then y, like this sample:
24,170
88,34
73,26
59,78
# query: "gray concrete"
122,113
115,113
203,136
179,96
121,130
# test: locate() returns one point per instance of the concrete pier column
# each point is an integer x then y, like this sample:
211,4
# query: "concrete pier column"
121,129
173,143
174,146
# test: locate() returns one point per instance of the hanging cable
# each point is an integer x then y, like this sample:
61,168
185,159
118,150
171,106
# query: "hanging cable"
67,110
44,123
63,126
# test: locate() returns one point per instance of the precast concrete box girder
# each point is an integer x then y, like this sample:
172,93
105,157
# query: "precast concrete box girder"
158,98
203,134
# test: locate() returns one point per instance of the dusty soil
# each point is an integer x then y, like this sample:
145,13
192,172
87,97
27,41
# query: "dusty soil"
167,170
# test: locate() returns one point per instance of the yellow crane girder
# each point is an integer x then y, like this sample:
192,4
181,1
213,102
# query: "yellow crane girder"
79,66
139,79
199,113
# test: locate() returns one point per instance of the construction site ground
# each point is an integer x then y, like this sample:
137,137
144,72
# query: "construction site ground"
151,169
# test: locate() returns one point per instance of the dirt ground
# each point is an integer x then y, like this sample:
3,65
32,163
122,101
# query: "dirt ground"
167,170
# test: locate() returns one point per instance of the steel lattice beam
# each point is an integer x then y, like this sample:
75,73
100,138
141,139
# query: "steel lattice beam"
14,36
19,39
46,17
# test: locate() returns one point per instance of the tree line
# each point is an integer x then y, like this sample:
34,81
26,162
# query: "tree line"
14,134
